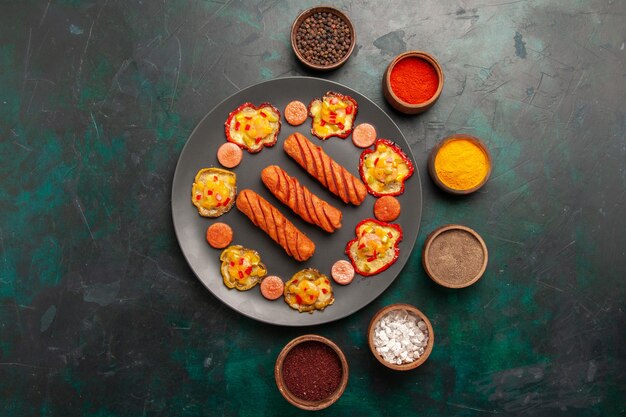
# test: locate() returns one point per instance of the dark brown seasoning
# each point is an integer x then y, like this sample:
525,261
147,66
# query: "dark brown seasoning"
323,38
312,371
456,256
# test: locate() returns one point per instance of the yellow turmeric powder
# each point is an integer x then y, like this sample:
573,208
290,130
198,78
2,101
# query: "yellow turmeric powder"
461,164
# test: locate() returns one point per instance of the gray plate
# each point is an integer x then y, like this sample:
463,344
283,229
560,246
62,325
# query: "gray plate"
200,152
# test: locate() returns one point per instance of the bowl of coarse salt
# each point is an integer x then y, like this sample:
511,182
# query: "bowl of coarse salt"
401,337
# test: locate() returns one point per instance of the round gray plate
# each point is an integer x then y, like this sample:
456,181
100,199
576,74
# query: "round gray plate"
200,152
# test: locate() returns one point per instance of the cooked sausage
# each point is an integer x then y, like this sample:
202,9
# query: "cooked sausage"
387,208
229,155
364,135
219,235
298,198
271,221
272,287
296,113
324,169
342,272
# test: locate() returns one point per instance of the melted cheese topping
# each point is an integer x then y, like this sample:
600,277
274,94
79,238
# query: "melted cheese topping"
375,246
241,267
385,170
254,127
331,115
309,290
214,190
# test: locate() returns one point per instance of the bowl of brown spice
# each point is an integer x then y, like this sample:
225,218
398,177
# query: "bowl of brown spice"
322,38
311,372
454,256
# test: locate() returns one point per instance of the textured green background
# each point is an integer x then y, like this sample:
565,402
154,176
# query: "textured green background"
101,316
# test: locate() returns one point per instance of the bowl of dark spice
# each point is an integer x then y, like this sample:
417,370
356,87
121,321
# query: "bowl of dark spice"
322,38
401,337
460,164
311,372
413,82
454,256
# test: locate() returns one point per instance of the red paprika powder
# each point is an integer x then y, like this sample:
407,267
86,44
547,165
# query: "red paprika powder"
414,80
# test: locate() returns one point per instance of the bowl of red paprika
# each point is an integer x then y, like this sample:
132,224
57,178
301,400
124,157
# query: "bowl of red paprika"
413,82
311,372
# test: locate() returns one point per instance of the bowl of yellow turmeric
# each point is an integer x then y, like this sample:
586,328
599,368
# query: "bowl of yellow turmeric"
460,164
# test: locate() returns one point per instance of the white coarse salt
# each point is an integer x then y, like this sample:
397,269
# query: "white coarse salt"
400,337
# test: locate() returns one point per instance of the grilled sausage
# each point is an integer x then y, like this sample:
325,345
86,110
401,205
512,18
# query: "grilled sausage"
324,169
271,221
298,198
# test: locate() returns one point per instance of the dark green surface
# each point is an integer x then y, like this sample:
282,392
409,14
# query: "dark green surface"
101,316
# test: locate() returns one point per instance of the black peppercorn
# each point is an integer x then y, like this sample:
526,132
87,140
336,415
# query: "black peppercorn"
323,38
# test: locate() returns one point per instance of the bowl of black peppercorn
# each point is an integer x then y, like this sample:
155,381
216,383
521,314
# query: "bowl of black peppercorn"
322,38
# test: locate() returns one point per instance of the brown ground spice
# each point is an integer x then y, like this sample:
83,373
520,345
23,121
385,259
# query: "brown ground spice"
456,256
312,371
